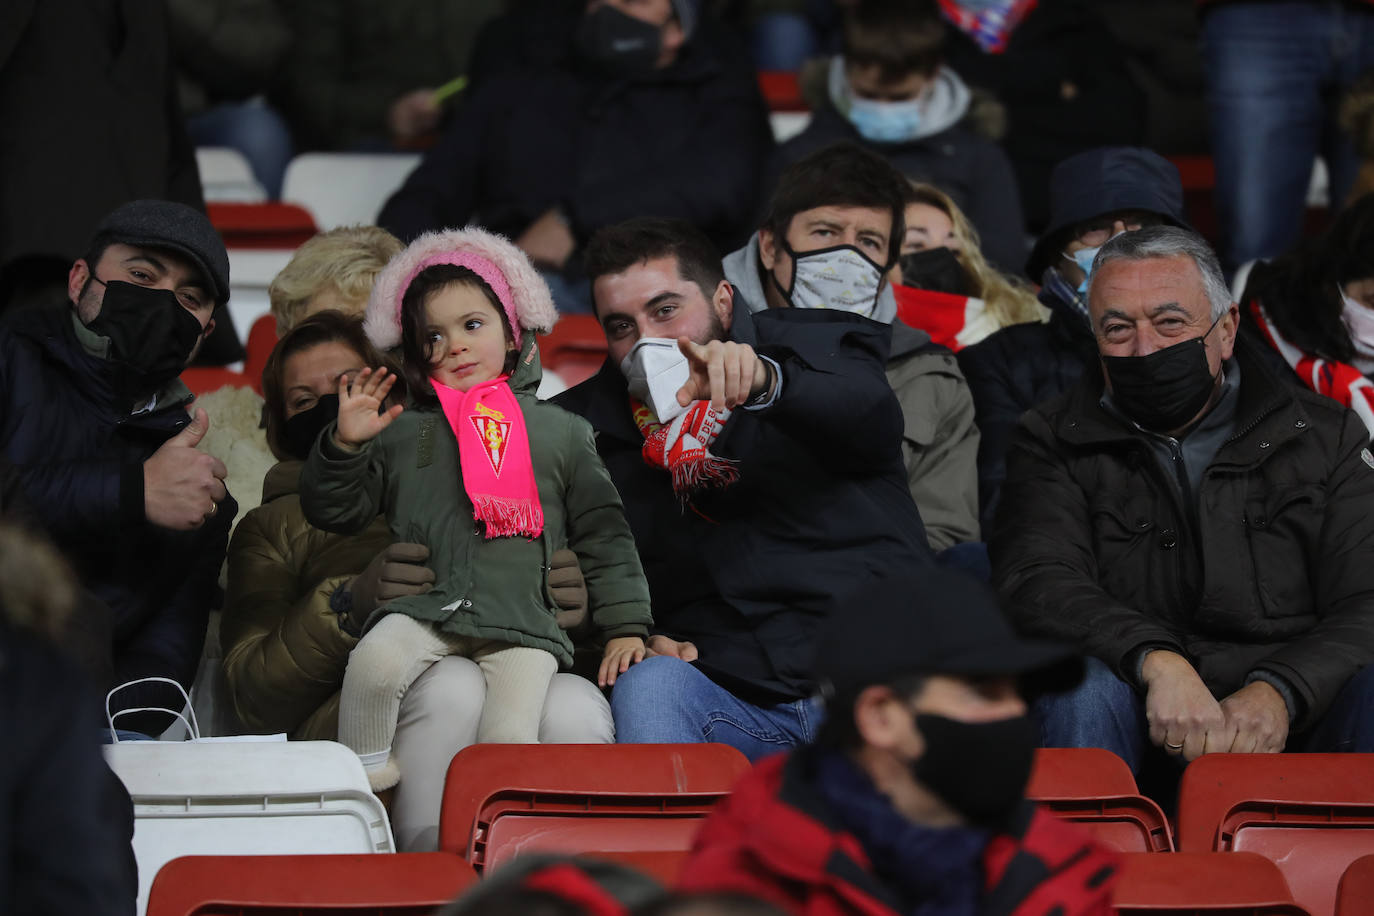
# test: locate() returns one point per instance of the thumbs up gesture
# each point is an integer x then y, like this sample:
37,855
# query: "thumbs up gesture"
182,486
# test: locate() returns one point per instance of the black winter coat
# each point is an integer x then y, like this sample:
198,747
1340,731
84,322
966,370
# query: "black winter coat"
79,455
689,141
967,166
749,573
1272,573
1012,371
66,822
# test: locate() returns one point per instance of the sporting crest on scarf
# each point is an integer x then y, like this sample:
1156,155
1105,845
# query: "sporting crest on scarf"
494,429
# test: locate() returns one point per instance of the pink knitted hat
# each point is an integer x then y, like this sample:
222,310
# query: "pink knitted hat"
521,291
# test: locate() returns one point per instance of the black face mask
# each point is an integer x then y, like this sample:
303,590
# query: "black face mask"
301,431
1163,390
151,335
936,269
980,769
617,43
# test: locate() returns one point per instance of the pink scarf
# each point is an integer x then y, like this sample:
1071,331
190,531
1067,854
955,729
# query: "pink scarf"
683,447
494,451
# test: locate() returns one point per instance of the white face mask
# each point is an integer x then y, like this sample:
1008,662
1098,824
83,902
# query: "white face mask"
656,369
1359,321
842,278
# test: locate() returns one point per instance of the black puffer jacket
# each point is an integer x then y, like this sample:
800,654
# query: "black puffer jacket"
80,459
689,142
1012,371
1091,543
748,573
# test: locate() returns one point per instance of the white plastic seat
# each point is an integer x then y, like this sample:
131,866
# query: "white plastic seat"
345,189
226,176
241,798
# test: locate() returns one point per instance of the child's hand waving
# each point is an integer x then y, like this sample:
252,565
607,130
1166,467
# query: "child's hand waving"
359,404
620,654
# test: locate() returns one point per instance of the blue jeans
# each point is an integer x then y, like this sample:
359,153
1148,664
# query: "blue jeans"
573,297
1276,72
1104,711
665,700
783,41
253,129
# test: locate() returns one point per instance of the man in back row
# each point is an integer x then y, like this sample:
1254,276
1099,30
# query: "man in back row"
753,525
1199,526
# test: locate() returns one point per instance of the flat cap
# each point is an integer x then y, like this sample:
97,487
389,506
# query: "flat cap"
176,227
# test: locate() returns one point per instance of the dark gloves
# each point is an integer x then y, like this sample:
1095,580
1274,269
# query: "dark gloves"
567,589
397,571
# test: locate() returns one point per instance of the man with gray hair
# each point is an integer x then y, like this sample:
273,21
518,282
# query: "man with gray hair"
1200,527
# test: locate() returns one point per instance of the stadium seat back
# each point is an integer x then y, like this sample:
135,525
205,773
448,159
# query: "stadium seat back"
1203,883
404,884
575,348
1095,789
1311,814
345,189
1355,893
262,338
504,800
243,798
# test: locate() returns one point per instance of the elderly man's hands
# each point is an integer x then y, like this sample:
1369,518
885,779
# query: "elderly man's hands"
548,241
728,373
1184,718
1259,717
182,486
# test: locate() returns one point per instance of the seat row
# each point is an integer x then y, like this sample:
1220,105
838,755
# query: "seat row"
1274,834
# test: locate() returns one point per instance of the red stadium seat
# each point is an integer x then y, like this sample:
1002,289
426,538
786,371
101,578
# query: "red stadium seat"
205,379
261,339
781,90
575,348
1355,893
1236,884
1312,814
384,884
663,865
269,225
1095,789
501,800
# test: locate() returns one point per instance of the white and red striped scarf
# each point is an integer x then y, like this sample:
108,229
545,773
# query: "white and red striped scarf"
1339,381
951,321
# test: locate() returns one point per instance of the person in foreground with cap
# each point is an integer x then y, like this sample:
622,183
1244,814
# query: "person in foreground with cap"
912,797
1200,526
1094,196
96,424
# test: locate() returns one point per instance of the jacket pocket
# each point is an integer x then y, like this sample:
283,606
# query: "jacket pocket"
1125,537
1282,528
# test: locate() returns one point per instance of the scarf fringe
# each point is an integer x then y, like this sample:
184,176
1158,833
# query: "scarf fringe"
506,518
705,472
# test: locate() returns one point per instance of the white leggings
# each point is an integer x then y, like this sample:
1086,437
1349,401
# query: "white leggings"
399,649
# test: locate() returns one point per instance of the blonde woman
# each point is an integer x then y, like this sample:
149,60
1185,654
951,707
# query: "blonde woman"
333,270
944,285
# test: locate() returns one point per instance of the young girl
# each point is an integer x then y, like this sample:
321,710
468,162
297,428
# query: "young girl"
490,479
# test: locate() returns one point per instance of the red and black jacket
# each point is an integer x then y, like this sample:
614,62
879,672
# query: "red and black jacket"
775,838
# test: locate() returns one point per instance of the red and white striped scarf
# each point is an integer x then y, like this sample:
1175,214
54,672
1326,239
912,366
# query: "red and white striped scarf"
1339,381
683,446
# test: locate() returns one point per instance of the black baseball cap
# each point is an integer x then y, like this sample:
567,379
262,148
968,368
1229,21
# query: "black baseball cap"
176,227
934,621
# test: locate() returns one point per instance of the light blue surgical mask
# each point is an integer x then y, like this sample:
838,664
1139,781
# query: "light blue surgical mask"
886,122
1084,258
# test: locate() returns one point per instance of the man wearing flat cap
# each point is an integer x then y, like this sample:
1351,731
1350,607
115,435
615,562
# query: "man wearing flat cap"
95,422
911,799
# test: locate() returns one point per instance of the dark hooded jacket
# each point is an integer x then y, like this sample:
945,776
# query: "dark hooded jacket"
748,573
79,453
689,141
1018,367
